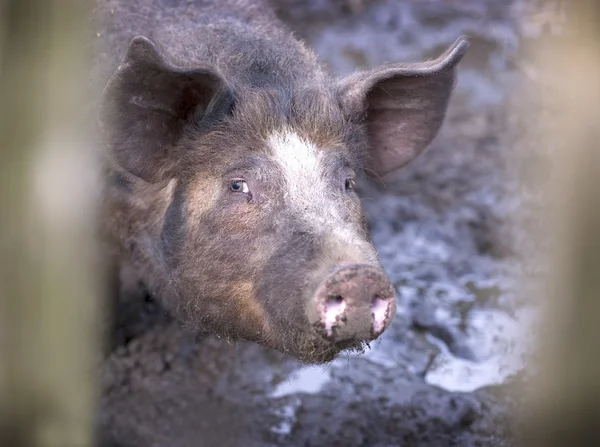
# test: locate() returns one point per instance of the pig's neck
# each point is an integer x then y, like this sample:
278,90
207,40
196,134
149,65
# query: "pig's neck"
135,214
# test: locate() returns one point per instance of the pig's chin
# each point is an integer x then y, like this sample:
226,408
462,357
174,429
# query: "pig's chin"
315,350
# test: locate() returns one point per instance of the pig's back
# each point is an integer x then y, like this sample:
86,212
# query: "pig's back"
241,38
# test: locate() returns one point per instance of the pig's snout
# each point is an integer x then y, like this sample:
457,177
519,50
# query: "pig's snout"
354,303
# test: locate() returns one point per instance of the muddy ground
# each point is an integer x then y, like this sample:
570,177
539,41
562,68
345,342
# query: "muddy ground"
440,375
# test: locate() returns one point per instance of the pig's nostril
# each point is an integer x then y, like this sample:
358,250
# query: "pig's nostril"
336,300
334,309
379,308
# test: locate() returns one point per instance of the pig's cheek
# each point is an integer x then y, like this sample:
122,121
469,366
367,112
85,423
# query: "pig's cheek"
202,196
249,313
241,222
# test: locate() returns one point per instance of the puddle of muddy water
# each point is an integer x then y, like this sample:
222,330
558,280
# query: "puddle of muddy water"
498,341
305,380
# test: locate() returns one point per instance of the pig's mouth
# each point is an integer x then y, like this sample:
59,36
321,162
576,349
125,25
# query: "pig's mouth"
314,349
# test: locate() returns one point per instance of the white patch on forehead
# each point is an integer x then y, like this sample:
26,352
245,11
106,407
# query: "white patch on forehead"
295,155
300,161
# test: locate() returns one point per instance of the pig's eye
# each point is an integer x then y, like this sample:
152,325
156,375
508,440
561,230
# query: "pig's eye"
349,184
239,185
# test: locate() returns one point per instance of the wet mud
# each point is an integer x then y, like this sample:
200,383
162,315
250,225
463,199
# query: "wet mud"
441,374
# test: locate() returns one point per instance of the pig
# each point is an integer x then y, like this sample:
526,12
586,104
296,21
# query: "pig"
231,159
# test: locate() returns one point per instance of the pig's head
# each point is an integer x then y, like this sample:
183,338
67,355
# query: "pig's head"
263,237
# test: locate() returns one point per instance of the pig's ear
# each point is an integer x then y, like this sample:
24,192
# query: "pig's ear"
404,106
146,105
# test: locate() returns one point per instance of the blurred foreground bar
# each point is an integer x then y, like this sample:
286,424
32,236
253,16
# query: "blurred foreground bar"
565,408
48,264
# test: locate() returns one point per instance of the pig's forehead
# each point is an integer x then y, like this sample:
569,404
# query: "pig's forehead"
293,127
289,151
297,154
311,112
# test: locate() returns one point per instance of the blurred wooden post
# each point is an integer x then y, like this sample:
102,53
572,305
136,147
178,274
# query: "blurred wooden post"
48,265
565,406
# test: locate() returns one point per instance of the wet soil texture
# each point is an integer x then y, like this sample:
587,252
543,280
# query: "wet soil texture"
440,375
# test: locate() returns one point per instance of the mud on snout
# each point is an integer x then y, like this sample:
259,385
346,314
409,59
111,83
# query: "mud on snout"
316,308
